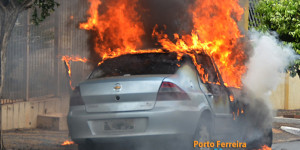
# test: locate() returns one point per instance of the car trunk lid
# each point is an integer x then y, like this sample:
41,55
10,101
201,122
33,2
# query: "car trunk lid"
117,94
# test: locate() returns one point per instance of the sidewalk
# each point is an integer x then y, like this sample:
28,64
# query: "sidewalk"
287,120
35,139
279,135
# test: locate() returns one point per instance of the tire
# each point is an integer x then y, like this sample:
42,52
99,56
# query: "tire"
203,134
86,146
268,137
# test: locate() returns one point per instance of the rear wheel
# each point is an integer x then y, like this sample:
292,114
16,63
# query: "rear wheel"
86,146
203,133
268,137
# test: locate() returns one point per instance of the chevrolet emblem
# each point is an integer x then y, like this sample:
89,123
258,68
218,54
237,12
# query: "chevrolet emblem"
117,87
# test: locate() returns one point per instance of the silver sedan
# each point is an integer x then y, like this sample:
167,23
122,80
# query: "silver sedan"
148,100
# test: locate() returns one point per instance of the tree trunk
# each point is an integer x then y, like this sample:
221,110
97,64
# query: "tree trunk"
7,23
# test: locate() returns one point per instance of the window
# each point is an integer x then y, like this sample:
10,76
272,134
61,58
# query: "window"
138,64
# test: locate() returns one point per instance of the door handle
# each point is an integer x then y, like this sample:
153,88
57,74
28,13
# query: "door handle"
210,95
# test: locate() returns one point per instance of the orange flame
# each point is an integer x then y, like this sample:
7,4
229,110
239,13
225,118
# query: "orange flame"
68,59
118,30
67,142
233,114
231,97
265,147
215,32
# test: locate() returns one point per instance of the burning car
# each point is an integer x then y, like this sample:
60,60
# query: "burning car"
140,98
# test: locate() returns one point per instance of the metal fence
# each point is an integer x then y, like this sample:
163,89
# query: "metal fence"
34,67
253,20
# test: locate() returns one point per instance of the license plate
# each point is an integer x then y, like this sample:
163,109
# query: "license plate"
119,125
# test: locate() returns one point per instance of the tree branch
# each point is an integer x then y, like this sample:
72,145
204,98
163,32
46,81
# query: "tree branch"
13,3
28,3
2,6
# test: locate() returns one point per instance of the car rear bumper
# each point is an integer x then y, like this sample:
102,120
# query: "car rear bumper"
160,123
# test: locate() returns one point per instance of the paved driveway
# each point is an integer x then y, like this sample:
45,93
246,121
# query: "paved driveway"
287,146
51,140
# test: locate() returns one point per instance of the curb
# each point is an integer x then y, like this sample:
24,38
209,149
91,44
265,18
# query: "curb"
284,141
292,130
286,120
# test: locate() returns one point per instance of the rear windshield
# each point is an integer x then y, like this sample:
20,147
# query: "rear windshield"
137,64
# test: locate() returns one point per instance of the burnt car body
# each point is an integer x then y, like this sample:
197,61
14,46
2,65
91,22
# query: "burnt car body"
154,97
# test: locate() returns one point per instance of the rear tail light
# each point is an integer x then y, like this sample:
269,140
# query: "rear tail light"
76,99
170,91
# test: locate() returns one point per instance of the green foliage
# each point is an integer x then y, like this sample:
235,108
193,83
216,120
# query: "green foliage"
45,7
41,9
282,16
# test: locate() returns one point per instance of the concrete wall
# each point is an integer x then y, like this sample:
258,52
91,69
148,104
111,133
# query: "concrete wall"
294,93
244,22
287,94
24,114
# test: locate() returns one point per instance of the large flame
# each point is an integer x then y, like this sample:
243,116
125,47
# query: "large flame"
119,29
215,32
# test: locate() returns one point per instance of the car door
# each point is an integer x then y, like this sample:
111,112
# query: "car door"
217,94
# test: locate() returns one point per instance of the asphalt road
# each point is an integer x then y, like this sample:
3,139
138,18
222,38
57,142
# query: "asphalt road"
287,146
37,139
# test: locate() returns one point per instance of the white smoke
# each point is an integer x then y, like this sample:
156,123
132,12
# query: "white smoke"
266,68
267,64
